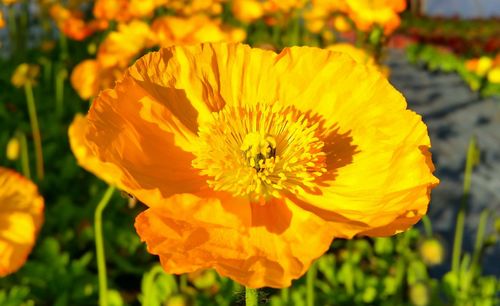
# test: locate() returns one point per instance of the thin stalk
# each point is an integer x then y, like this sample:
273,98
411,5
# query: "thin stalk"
478,247
285,294
183,282
35,130
99,247
427,226
310,280
60,77
251,297
472,159
295,33
25,162
63,41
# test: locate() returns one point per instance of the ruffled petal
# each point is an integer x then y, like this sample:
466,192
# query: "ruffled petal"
129,129
256,245
378,162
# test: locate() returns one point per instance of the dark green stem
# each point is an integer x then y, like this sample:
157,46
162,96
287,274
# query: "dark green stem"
35,130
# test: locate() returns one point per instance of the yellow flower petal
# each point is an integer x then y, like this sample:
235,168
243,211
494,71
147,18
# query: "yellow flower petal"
21,216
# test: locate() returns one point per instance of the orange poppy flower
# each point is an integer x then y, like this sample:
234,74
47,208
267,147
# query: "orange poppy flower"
125,10
367,13
251,162
170,30
21,216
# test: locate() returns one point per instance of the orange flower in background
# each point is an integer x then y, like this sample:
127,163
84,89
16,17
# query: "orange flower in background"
125,10
71,23
367,13
170,30
195,7
21,216
2,20
251,162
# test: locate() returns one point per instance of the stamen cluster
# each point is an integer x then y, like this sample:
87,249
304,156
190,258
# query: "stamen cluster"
260,151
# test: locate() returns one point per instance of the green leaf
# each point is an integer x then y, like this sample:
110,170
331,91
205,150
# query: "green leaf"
157,287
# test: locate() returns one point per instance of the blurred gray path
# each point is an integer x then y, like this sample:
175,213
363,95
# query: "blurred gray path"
453,113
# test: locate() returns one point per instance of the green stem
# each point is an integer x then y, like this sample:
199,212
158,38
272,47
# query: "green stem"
60,77
478,247
310,279
63,41
25,162
285,294
183,282
35,130
427,226
99,246
472,159
251,297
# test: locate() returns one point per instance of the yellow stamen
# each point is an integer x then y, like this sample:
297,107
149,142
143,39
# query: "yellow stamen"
260,151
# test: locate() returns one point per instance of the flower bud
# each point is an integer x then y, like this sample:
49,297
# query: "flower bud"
13,148
432,252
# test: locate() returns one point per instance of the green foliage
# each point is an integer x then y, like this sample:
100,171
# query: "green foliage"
440,59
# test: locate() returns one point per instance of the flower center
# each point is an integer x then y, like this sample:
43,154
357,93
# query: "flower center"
260,151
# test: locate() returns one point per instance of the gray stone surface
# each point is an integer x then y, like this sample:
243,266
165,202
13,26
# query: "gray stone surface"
453,113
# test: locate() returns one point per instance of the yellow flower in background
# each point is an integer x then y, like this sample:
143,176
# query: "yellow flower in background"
13,148
484,64
89,77
432,251
480,66
245,156
247,10
25,73
367,13
121,46
21,216
341,24
494,75
170,30
315,19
